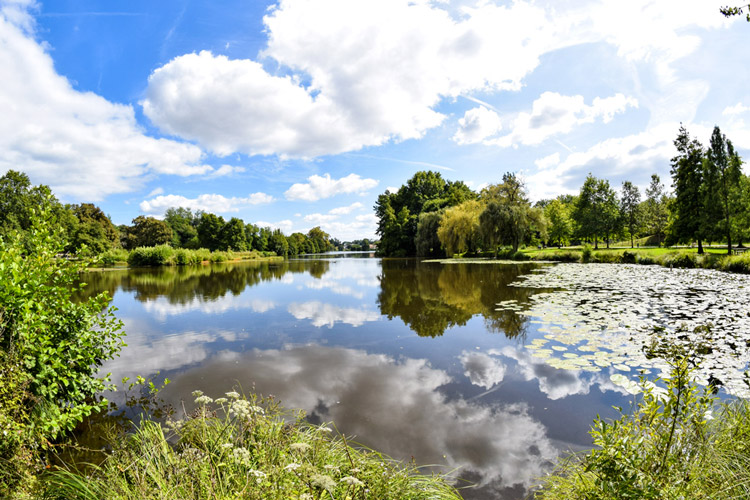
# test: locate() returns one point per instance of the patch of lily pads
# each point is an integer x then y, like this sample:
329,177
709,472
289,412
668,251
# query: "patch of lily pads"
488,261
600,315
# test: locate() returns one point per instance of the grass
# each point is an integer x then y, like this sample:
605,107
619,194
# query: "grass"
671,446
243,447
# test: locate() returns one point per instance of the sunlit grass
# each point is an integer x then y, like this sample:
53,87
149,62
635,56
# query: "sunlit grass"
236,447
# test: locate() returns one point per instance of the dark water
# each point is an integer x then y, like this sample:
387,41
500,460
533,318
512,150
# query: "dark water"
410,358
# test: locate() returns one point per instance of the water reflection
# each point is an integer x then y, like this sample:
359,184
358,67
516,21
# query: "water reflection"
431,297
394,405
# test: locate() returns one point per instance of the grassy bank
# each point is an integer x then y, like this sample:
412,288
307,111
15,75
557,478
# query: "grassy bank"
164,255
714,258
676,443
243,447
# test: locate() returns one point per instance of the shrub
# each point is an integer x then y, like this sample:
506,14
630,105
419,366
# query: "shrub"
51,346
586,253
112,257
645,259
680,259
628,257
150,256
519,255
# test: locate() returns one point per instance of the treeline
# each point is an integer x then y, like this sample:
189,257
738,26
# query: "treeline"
88,230
710,201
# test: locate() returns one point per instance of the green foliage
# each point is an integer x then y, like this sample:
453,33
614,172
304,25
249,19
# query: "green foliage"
586,253
427,241
559,224
111,257
147,232
596,211
150,256
630,208
687,180
668,447
182,221
459,228
93,230
51,346
209,231
237,447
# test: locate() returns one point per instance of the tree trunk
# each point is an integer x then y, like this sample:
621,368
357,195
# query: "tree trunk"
700,247
596,243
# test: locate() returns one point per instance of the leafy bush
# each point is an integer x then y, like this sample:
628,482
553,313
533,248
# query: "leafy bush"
680,259
586,253
645,259
150,256
628,257
237,444
668,448
112,257
519,255
736,263
607,257
50,346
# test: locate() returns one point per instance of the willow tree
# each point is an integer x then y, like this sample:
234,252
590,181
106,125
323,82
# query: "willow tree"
459,228
508,217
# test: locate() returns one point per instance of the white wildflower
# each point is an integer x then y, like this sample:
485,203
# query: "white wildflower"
352,481
233,394
292,466
203,400
300,447
241,455
325,482
220,401
226,446
197,393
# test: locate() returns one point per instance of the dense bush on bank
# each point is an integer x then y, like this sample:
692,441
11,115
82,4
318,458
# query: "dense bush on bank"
244,447
165,255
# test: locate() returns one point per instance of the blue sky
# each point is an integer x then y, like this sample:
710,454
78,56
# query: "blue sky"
298,113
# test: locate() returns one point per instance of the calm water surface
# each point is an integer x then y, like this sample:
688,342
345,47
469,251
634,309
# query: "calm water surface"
410,358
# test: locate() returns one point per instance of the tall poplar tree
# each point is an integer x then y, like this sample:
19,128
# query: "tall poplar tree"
687,182
629,205
721,186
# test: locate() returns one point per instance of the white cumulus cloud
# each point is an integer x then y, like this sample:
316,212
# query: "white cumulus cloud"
214,203
319,187
476,125
82,145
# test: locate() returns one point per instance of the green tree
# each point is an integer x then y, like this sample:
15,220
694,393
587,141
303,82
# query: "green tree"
687,181
320,239
596,211
232,235
630,201
92,229
147,232
560,227
722,171
427,241
183,223
459,228
655,209
209,231
264,236
278,243
508,217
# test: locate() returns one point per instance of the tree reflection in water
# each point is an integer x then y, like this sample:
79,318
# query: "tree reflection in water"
431,297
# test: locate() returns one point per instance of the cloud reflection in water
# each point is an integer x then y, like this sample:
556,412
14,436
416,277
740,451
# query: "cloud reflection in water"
395,406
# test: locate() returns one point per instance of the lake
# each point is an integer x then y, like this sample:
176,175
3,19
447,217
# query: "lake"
474,369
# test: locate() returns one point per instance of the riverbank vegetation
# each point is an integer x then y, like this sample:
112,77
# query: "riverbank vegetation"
244,447
709,202
677,442
52,345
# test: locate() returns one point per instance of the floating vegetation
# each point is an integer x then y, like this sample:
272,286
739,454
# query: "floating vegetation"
602,315
480,260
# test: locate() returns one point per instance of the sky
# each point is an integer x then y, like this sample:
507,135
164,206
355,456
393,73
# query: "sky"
299,113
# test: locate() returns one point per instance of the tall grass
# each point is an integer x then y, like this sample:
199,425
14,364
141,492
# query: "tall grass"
675,444
244,447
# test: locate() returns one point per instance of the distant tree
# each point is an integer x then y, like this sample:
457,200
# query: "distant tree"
93,229
427,241
560,227
630,208
278,243
320,238
721,174
508,216
18,198
687,181
264,236
209,231
398,213
655,209
147,232
292,247
232,235
183,223
459,228
596,211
